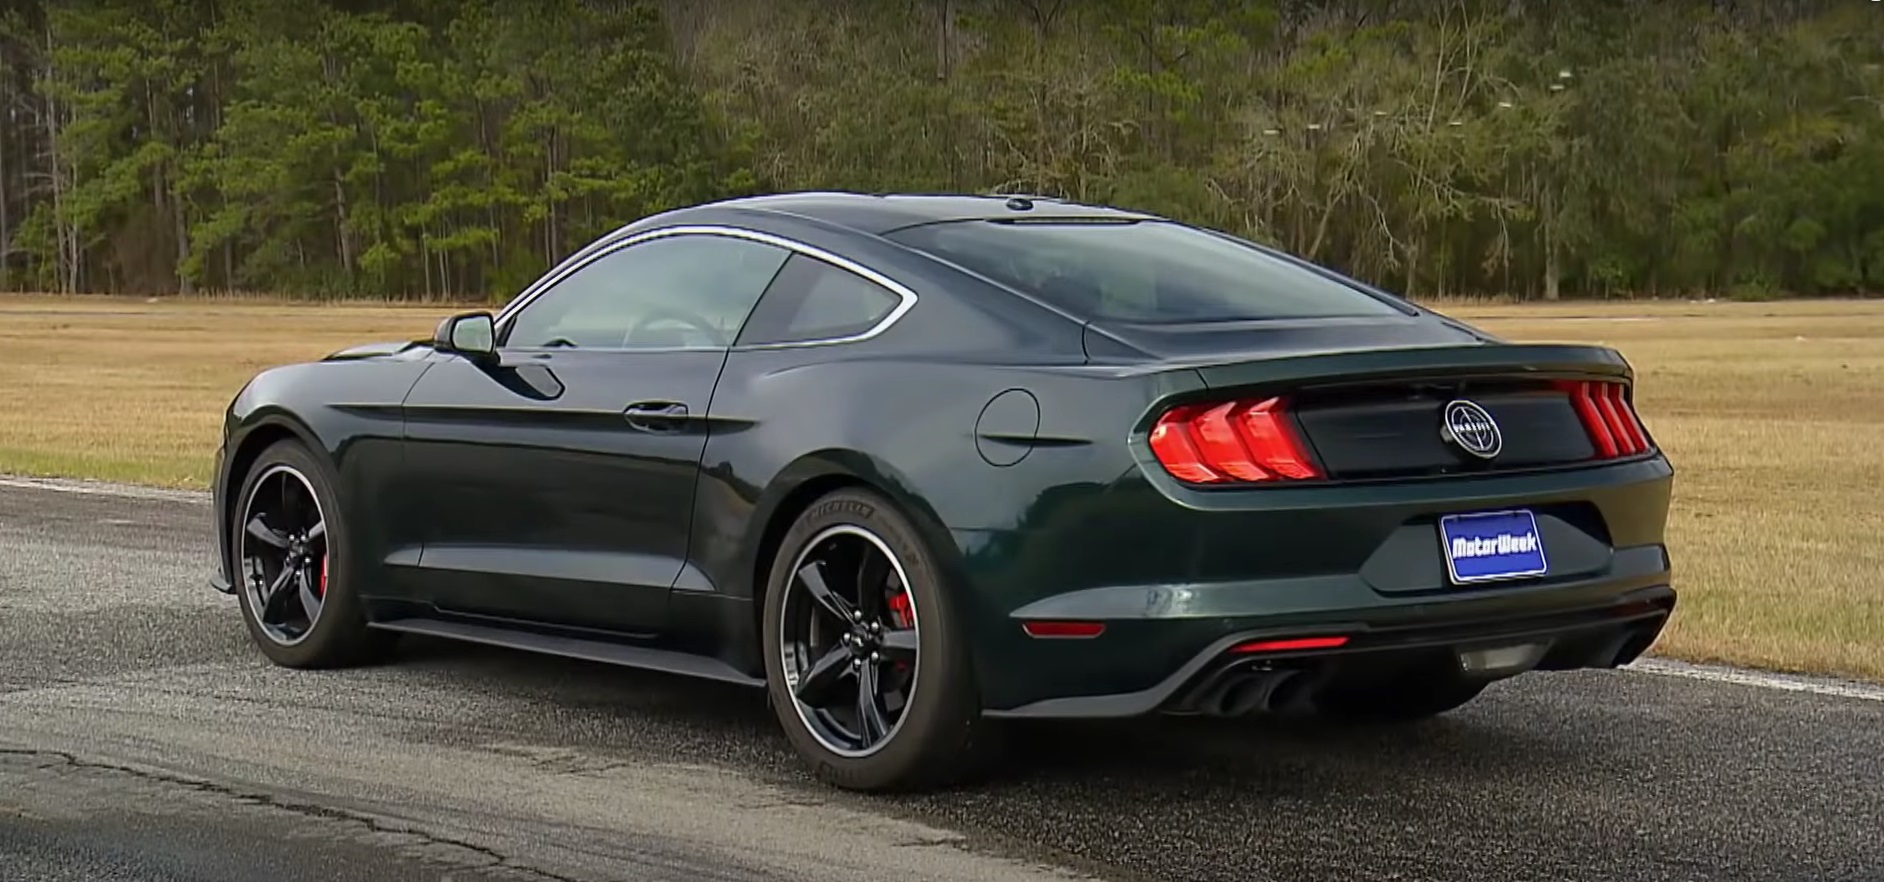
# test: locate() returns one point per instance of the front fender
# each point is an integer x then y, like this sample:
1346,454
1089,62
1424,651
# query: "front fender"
349,413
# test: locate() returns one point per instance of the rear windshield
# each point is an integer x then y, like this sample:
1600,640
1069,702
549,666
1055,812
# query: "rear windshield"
1146,271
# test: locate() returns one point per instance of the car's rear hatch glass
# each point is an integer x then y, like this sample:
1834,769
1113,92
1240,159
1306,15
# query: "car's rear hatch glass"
1145,271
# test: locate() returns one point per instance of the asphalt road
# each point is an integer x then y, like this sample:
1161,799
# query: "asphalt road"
142,739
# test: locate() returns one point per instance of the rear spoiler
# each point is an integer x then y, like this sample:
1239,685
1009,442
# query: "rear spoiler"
1412,363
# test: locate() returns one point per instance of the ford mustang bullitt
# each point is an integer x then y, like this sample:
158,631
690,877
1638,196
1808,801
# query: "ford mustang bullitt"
918,464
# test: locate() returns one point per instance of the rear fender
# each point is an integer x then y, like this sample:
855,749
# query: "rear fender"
851,465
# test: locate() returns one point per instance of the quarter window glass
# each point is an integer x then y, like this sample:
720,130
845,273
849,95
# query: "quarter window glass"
676,291
814,300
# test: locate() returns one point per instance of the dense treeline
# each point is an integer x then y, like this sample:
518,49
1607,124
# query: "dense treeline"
454,147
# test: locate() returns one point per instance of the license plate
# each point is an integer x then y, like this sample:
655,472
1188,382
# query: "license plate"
1489,546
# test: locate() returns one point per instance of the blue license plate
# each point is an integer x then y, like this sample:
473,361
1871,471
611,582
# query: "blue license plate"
1490,546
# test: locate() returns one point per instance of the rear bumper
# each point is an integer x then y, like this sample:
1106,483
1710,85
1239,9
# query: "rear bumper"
1603,635
1156,635
1168,578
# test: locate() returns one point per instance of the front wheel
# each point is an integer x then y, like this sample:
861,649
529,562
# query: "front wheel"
864,663
293,575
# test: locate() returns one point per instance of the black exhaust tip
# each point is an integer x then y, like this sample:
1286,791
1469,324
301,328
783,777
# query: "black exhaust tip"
1255,692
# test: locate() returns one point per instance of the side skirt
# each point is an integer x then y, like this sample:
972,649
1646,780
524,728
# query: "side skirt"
608,652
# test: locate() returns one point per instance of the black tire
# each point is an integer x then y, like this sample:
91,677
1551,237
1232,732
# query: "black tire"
1403,700
938,737
338,635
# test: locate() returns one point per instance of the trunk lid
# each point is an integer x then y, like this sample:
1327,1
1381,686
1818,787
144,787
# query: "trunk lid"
1406,365
1369,409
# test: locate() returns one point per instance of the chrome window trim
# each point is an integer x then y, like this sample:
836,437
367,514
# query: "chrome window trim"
906,298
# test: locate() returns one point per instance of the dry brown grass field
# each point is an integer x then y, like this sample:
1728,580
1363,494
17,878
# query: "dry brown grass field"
1769,412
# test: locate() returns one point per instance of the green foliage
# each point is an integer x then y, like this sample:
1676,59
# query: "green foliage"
431,149
438,150
1594,148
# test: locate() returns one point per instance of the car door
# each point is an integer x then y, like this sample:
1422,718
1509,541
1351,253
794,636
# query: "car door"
813,309
558,481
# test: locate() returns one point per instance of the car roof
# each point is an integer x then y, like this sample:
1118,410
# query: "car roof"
880,213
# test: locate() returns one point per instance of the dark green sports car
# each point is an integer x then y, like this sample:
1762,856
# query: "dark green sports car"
916,464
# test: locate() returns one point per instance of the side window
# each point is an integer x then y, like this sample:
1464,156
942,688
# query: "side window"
676,291
814,300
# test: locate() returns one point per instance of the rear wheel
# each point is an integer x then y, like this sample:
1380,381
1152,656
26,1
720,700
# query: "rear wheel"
864,664
1398,701
292,575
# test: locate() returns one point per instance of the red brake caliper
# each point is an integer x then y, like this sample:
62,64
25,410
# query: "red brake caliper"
903,617
323,577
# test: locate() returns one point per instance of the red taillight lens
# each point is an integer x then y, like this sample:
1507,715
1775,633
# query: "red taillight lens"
1230,442
1608,417
1267,432
1171,443
1626,417
1221,445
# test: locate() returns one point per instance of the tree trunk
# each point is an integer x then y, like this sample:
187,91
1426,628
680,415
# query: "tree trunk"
65,238
1552,270
944,56
6,226
550,250
185,284
340,225
1321,227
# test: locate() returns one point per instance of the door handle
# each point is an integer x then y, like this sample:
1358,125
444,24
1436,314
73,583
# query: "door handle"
656,416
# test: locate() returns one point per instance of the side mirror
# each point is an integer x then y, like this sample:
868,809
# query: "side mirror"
471,334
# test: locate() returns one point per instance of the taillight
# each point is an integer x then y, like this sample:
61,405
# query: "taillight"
1608,417
1231,442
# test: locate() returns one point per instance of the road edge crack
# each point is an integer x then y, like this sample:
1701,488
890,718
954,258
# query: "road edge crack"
372,822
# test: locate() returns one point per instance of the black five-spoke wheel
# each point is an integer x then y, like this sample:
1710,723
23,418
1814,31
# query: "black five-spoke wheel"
848,640
288,548
283,552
